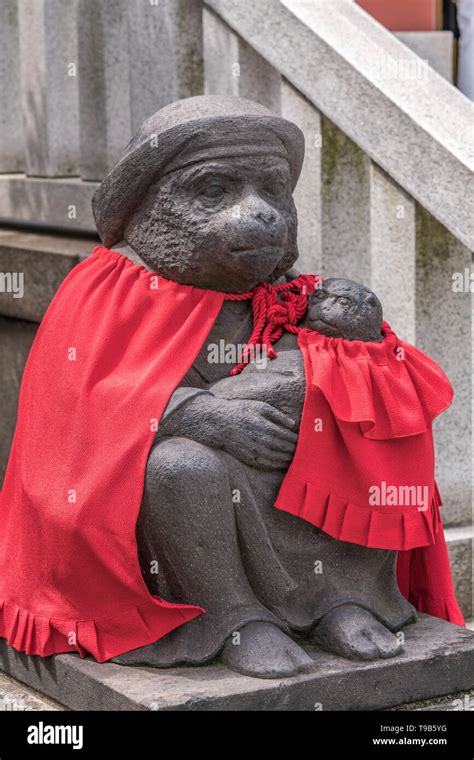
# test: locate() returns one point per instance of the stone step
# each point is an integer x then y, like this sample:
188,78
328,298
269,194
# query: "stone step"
438,660
462,701
459,542
37,264
16,697
61,204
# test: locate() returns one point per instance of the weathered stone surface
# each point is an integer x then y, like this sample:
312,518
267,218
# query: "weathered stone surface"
459,542
166,56
15,696
104,85
222,69
437,48
43,261
345,207
463,700
439,659
135,57
368,228
399,122
63,204
16,338
11,125
231,67
444,331
308,193
393,252
49,86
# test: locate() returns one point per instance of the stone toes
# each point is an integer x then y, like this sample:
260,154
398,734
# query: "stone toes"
386,643
266,652
360,646
352,632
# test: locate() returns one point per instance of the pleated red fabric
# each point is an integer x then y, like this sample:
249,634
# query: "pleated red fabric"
363,470
112,347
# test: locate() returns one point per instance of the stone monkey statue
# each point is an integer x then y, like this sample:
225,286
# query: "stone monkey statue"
203,196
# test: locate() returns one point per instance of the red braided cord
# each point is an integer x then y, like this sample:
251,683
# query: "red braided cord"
272,316
310,280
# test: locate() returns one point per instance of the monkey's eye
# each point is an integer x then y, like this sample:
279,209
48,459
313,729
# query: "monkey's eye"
214,191
344,302
275,188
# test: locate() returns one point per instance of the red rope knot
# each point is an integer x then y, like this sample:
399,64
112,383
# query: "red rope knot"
276,308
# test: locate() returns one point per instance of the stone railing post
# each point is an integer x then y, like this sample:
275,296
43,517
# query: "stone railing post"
135,58
49,86
444,331
11,126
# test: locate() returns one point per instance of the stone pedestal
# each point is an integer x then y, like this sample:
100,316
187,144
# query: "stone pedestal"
438,660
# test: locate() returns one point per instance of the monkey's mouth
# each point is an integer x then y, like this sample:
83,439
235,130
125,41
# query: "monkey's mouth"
323,326
259,249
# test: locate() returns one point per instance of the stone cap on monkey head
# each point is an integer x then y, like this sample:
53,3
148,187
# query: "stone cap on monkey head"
190,131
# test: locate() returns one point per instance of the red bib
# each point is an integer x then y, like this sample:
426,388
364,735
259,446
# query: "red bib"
363,471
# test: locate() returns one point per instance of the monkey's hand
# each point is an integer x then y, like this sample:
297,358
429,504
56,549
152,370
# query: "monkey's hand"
254,432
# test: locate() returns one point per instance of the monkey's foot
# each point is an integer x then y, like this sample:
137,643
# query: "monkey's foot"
353,632
146,656
263,651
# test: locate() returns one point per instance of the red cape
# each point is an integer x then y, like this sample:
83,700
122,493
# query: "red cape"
110,351
363,470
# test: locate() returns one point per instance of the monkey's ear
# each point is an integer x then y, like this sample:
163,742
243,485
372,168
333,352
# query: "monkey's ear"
372,300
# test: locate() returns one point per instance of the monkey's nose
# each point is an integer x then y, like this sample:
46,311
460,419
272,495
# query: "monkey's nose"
267,216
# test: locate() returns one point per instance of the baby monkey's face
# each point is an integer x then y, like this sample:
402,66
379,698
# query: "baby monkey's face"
345,309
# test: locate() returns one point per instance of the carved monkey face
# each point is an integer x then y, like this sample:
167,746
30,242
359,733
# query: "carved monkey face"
225,224
345,309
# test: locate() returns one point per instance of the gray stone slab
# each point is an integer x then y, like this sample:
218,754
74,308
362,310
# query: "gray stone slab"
62,204
231,67
368,228
49,86
11,124
16,697
459,542
104,85
393,251
444,331
462,701
345,217
43,261
308,194
166,54
134,58
438,660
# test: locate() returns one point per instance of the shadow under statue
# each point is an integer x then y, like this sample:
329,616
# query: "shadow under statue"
203,196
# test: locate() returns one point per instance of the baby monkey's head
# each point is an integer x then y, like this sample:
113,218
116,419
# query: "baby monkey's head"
345,309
